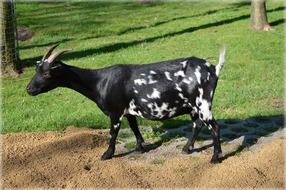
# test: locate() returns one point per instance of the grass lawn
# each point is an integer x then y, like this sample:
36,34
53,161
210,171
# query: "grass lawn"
102,34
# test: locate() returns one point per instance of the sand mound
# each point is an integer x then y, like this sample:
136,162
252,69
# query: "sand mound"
71,159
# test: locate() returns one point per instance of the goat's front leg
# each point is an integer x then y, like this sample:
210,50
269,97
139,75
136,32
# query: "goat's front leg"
197,125
134,126
114,129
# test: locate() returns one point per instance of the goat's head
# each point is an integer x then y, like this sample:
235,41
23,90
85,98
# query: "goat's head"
47,73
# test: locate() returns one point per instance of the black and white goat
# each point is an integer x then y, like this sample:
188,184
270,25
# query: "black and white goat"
155,91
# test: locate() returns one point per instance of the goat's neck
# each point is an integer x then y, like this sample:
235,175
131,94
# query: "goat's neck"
80,80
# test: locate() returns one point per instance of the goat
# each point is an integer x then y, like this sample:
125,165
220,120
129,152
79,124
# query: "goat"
156,91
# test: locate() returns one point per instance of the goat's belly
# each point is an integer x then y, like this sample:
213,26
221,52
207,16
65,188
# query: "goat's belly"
157,110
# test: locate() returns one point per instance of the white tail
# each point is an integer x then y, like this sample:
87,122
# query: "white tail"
220,64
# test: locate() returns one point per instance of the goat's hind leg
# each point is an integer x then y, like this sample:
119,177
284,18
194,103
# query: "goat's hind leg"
215,132
134,126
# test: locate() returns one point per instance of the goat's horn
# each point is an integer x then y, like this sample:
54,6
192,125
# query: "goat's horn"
56,55
49,52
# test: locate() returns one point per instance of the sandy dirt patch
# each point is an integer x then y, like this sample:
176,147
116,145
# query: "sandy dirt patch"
71,159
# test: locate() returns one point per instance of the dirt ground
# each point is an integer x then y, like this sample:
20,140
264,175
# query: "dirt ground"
71,159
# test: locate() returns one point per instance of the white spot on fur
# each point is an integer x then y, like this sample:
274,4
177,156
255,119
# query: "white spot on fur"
184,63
168,77
204,106
208,77
155,94
158,111
116,126
178,88
143,100
179,73
194,125
188,80
207,64
172,111
193,112
183,98
151,81
143,74
198,74
153,72
205,110
132,109
136,91
140,82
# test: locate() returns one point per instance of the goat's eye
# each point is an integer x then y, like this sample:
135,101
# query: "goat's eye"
46,74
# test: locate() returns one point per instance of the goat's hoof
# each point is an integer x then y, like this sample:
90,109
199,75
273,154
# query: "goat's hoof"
106,156
186,150
215,160
140,149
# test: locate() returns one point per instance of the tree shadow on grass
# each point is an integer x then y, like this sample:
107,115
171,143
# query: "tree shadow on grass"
278,22
45,44
251,129
207,13
122,45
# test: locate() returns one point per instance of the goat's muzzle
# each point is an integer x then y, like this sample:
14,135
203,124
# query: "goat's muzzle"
31,92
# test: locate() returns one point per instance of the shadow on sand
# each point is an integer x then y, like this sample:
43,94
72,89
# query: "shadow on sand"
251,129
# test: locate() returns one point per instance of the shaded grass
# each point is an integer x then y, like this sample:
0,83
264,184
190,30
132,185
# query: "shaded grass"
239,129
252,125
231,136
103,34
271,129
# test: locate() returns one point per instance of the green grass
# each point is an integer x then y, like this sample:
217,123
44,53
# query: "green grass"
125,134
102,34
130,145
158,161
181,170
225,143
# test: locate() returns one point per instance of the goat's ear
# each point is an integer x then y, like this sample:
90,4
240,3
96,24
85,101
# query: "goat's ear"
53,67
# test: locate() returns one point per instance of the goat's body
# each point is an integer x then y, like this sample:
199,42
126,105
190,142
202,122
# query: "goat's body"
156,91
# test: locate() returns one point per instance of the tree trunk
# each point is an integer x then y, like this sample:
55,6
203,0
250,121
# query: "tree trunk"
10,64
259,20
